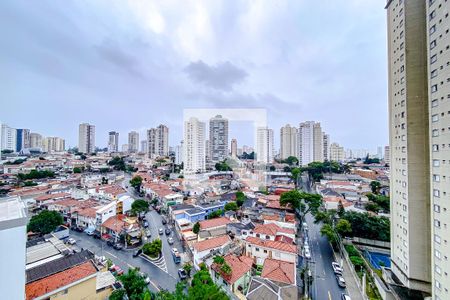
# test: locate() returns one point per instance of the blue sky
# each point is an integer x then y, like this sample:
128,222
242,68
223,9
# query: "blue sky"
131,65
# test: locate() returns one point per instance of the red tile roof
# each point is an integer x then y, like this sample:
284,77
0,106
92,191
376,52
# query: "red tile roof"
89,212
216,222
279,271
285,247
58,280
52,196
239,266
212,243
271,229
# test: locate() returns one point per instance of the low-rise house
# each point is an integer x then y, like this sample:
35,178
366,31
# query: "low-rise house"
240,230
279,271
213,246
273,232
122,226
261,288
285,220
260,249
235,282
86,217
171,199
46,199
213,227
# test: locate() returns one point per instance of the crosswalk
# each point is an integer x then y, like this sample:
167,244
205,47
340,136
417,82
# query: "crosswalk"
160,263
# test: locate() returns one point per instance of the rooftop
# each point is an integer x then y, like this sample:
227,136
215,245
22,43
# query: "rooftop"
239,266
279,271
281,246
12,212
212,243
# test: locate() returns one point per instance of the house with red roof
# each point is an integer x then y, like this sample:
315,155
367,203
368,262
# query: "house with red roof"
217,245
238,279
272,231
279,271
260,249
213,227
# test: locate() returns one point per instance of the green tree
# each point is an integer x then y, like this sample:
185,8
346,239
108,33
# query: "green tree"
117,294
218,259
373,207
343,227
375,186
196,228
77,170
368,226
226,269
35,174
291,160
328,232
222,166
136,182
203,288
272,168
305,202
187,267
152,249
134,284
29,183
295,172
358,262
231,206
240,198
325,217
139,206
215,214
341,209
118,163
45,222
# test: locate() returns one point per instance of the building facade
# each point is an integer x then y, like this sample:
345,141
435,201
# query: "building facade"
86,138
264,145
158,141
194,146
53,144
288,142
8,138
409,143
133,141
337,152
113,141
22,139
218,138
35,140
326,146
234,148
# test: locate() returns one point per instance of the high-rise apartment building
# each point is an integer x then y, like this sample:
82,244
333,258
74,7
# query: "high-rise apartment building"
133,141
380,152
234,151
337,152
288,142
35,140
264,145
22,139
438,58
387,155
113,141
53,144
326,146
158,141
194,146
218,138
8,138
124,148
318,142
207,151
409,139
179,153
86,138
144,146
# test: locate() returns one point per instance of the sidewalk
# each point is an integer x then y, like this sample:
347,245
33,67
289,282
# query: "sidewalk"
353,287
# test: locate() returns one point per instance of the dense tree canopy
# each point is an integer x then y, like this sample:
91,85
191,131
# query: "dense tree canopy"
45,222
35,174
196,228
136,182
118,163
305,202
368,226
240,198
139,206
134,284
222,166
153,248
231,206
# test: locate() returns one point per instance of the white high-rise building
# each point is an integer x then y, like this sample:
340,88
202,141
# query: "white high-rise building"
264,145
144,146
158,141
311,142
207,151
53,144
337,152
218,138
8,138
179,153
194,146
113,141
380,152
418,227
288,142
234,151
35,140
22,139
86,138
133,141
326,146
318,142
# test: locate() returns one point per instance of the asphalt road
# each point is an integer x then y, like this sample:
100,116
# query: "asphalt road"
324,285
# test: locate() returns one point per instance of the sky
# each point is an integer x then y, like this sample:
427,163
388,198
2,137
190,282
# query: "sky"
132,65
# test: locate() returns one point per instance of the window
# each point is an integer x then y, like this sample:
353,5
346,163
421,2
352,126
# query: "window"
435,148
402,45
432,15
434,103
433,59
432,29
436,193
437,238
437,269
437,208
435,118
437,254
435,132
257,249
437,223
438,284
267,237
432,44
436,178
436,162
434,73
402,68
434,88
265,251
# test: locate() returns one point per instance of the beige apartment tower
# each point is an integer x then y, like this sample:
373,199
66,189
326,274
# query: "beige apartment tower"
409,143
288,141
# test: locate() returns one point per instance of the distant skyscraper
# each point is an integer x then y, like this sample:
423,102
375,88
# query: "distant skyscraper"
419,231
22,139
86,138
207,151
158,141
326,146
318,142
35,140
125,148
264,145
179,153
218,138
113,141
133,141
144,146
234,148
311,142
380,152
288,142
387,154
337,152
53,144
8,138
194,146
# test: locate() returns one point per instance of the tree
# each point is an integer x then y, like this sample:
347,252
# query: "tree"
343,227
203,287
357,261
373,207
222,166
375,186
118,163
139,206
117,294
341,209
368,226
328,232
291,160
295,172
305,202
152,249
45,222
218,259
196,228
136,182
325,217
77,170
272,168
240,198
134,284
215,214
35,174
187,267
226,269
231,206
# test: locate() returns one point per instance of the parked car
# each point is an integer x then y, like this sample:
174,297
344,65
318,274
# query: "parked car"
345,297
306,253
340,281
89,231
137,252
168,231
148,233
170,241
116,270
110,242
182,274
118,246
163,221
97,235
337,268
145,277
161,231
145,224
71,241
77,229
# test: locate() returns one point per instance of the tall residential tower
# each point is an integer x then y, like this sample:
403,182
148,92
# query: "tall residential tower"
86,138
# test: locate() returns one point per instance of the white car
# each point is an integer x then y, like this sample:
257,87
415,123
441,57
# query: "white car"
306,253
71,241
345,297
337,268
